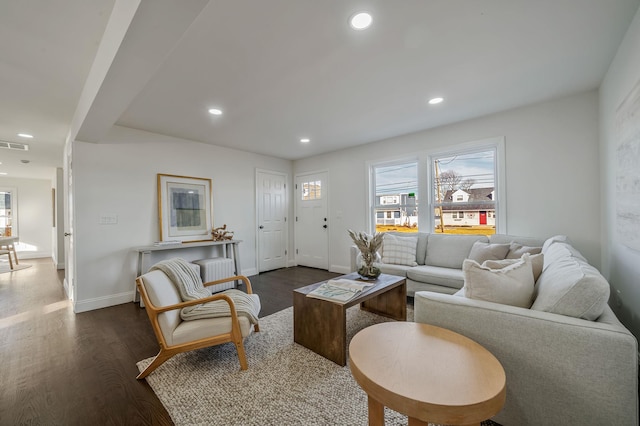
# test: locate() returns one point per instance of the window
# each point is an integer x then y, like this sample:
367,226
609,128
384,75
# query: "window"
312,190
395,191
7,212
464,187
467,178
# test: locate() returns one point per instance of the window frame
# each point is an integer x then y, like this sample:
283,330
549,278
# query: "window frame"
424,160
14,208
371,170
496,144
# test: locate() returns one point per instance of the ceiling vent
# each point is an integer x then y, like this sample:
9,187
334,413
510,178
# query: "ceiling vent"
14,145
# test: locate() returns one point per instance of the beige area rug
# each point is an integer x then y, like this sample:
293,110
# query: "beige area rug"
4,267
286,384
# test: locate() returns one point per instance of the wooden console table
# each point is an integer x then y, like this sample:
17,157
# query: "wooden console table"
145,255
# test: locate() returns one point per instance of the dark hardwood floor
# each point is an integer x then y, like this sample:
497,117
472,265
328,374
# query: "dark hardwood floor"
61,368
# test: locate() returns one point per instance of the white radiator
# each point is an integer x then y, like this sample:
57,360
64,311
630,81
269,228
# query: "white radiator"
216,269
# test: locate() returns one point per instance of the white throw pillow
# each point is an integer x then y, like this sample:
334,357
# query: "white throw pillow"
399,250
484,251
517,250
537,263
511,285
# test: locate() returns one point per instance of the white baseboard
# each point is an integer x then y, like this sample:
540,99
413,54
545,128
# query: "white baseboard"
102,302
249,272
291,263
32,255
339,269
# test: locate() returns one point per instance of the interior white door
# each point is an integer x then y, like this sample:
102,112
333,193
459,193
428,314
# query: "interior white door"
69,253
272,220
312,221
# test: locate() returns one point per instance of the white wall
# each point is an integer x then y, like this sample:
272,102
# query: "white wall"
35,216
621,264
118,177
552,172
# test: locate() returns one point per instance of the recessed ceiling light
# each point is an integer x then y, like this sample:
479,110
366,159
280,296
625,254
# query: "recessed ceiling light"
305,140
215,111
25,135
434,101
3,173
360,21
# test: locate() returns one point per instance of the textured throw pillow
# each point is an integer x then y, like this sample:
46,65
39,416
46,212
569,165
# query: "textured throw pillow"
511,285
399,250
481,252
537,262
517,250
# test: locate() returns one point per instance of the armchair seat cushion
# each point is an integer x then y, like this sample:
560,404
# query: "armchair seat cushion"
188,331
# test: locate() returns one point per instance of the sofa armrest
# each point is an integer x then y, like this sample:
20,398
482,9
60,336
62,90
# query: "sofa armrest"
560,370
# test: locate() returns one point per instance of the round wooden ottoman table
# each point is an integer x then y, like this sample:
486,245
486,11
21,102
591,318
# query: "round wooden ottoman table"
426,372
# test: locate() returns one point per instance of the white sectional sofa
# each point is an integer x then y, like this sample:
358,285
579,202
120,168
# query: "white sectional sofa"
567,358
437,263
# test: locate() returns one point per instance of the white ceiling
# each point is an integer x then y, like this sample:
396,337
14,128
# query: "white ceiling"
285,69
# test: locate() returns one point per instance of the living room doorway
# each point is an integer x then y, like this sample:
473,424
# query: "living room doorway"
312,220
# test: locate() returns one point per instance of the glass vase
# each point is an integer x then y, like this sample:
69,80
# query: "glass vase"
366,267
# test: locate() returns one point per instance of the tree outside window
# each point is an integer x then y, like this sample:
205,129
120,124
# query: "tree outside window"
464,182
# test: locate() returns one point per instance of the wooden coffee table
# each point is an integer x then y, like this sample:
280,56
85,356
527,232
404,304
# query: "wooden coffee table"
321,325
426,372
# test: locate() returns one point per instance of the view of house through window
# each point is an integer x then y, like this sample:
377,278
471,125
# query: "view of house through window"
395,197
464,196
463,186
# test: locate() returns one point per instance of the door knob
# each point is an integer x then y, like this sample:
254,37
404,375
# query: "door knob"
324,226
261,227
66,234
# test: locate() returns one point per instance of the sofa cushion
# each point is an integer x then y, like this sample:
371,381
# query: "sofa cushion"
390,269
509,285
485,251
570,286
516,250
555,239
399,250
552,245
449,251
438,275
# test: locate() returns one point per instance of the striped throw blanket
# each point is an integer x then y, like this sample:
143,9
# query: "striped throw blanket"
190,286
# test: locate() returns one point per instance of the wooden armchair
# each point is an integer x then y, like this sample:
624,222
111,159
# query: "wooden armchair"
163,304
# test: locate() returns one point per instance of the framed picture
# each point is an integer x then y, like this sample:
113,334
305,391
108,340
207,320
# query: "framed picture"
184,208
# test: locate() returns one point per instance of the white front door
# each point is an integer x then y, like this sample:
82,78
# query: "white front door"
272,220
312,221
